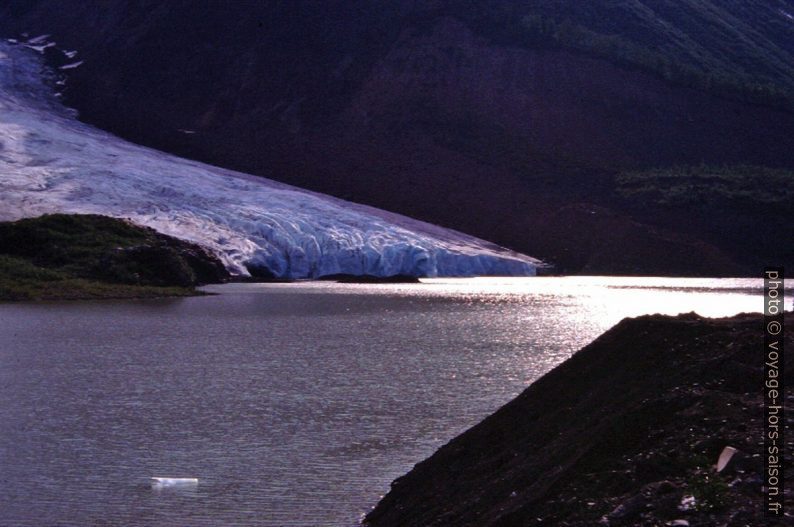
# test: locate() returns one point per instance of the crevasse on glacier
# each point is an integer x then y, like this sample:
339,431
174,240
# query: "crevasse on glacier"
51,162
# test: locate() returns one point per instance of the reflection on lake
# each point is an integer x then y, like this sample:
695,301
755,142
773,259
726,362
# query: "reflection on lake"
294,404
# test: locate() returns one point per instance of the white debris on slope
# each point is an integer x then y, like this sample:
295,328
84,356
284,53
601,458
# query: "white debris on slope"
51,162
39,43
72,65
38,40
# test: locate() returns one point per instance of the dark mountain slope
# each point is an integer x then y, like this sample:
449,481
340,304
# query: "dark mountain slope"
618,435
727,45
509,111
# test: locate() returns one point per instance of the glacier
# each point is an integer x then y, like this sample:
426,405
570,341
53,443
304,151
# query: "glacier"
51,162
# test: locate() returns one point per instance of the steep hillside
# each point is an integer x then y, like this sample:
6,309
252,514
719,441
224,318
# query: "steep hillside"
734,47
624,433
510,111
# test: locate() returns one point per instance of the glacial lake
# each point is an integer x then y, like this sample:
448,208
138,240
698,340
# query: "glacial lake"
294,404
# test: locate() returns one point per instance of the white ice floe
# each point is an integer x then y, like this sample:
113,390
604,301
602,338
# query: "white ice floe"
51,162
173,482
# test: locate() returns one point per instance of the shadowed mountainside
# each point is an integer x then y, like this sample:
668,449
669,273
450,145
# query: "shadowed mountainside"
513,112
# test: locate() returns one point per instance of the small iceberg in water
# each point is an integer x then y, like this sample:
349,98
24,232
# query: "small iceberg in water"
174,482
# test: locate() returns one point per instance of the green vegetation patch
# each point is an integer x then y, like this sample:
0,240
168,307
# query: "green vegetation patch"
61,256
20,280
737,48
738,185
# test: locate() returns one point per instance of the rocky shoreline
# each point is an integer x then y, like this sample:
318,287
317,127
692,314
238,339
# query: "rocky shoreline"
626,432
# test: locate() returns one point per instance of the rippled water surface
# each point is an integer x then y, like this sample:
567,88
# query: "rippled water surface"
294,404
